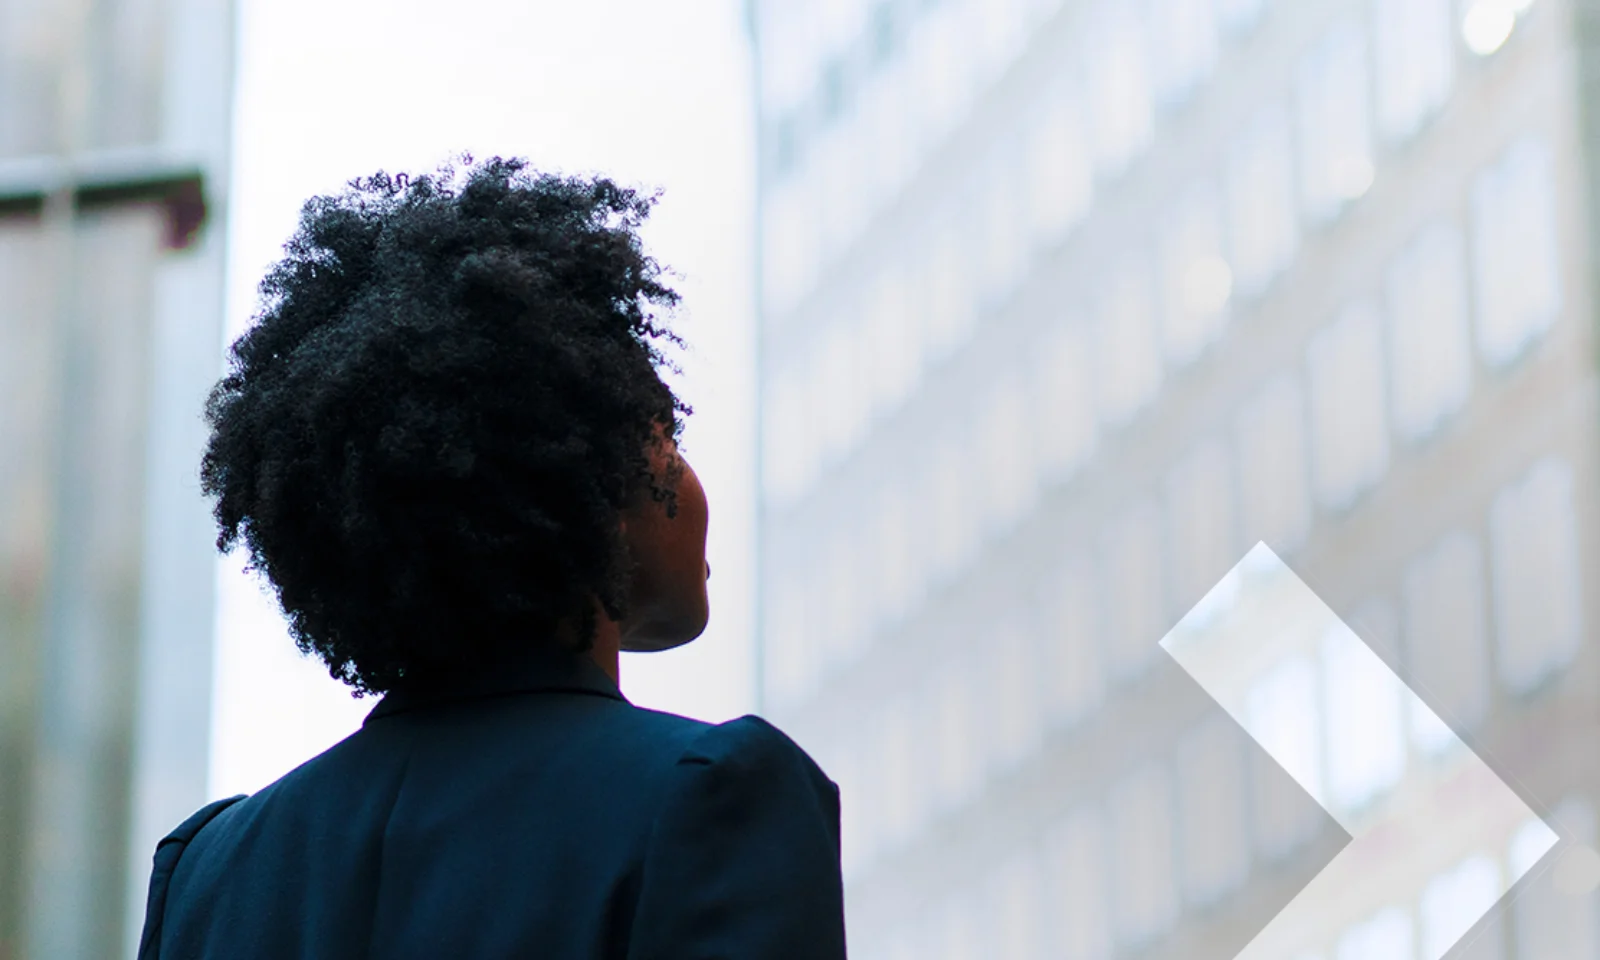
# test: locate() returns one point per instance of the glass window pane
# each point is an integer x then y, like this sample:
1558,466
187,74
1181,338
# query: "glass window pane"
1211,791
1071,657
1239,16
1005,447
1428,335
1200,510
1365,721
956,714
1282,714
1061,167
1196,281
1116,61
1274,479
1144,895
1447,646
1065,417
1335,145
1262,225
1136,591
951,298
1183,46
1454,900
1549,920
1014,902
1534,555
1349,425
1125,332
1415,55
1011,665
903,790
1387,935
1515,252
1076,868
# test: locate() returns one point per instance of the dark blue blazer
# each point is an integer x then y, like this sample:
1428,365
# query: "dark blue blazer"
533,814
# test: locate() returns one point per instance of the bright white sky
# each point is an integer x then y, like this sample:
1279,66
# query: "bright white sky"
655,94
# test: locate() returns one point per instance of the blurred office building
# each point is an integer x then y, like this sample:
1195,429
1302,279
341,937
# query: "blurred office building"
1065,305
114,128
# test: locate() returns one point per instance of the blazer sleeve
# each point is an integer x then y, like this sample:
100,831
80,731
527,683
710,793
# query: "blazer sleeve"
743,860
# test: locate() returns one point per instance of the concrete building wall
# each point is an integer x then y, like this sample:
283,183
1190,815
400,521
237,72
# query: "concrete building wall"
114,130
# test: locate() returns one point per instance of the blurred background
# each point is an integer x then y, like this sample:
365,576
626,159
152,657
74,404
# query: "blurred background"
1015,325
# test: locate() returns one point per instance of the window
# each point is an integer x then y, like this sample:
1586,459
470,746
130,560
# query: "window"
1144,898
898,551
1200,511
1447,644
1335,145
788,246
1076,867
1454,900
838,390
1215,856
1415,62
1006,450
1125,330
964,928
893,351
1136,590
955,525
1183,47
1515,251
838,619
1060,166
788,654
1064,410
956,714
1071,658
1349,425
786,440
1238,16
1196,281
940,54
1537,593
1013,698
1365,707
1015,904
1274,484
1004,240
950,299
903,793
889,146
1386,935
1549,921
1116,60
1428,335
1261,211
1281,714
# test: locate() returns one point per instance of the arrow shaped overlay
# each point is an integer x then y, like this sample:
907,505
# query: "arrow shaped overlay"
1257,643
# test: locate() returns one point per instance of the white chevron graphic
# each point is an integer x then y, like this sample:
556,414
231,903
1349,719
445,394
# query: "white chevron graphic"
1401,821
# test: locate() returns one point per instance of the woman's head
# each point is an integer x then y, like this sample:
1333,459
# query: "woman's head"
446,435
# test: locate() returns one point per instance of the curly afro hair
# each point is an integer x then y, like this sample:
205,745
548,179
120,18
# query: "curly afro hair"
446,397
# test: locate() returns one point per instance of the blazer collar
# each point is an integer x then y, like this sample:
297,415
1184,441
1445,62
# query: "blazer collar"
541,673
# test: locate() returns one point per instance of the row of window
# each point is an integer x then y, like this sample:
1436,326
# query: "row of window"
1098,886
1155,314
1098,115
1466,616
1383,372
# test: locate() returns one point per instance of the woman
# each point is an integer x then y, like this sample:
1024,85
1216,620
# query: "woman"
446,442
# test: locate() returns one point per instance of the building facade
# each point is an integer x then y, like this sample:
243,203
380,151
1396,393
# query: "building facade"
114,132
1065,305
